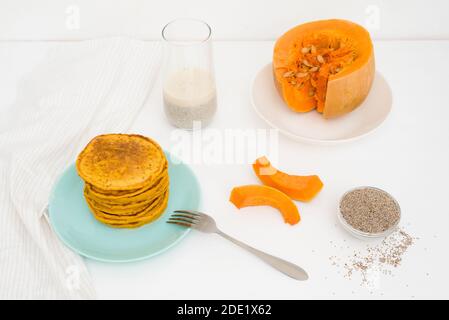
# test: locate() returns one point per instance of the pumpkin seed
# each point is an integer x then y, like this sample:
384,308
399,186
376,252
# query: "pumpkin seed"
314,69
300,85
306,63
311,92
293,82
305,50
320,59
313,49
289,74
301,74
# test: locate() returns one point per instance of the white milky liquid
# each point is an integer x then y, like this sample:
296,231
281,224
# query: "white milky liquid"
189,95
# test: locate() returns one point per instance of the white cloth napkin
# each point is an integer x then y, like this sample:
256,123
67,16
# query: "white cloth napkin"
81,89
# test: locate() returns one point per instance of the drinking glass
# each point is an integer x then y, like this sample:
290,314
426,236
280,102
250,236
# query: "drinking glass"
189,90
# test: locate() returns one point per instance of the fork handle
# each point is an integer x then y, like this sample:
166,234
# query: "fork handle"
288,268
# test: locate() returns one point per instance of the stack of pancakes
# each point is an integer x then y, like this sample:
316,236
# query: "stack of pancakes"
126,179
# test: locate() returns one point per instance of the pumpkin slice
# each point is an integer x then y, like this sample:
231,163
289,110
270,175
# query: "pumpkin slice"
326,65
302,188
257,195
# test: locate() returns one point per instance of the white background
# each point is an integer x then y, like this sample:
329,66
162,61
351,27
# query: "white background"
408,155
230,19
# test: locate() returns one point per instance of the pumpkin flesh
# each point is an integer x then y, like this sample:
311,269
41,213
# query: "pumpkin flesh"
301,188
256,195
324,65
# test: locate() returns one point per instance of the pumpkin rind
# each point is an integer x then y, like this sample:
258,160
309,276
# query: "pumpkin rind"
346,93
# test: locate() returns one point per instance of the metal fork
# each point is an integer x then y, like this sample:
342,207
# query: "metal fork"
202,222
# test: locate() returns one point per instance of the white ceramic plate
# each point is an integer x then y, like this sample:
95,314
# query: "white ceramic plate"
311,127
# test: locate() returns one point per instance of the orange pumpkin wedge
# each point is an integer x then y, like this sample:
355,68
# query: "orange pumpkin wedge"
302,188
258,195
326,65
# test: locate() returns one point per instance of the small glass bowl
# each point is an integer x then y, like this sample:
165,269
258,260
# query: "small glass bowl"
365,235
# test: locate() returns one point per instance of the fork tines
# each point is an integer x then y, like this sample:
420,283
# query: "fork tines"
184,218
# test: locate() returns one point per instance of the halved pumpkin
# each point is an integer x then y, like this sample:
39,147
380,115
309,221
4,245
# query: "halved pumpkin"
256,195
302,188
326,65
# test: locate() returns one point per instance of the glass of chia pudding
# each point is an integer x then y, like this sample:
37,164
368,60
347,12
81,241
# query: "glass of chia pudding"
189,91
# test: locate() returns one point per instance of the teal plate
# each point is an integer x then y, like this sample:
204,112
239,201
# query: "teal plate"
78,229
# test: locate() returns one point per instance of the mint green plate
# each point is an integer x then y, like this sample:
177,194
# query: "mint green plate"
78,229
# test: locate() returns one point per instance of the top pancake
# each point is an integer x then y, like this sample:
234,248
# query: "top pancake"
120,162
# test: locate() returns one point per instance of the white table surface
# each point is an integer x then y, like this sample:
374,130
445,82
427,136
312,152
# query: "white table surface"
408,156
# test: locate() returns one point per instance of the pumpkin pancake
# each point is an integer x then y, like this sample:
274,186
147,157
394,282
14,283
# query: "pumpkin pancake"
116,194
153,213
126,179
120,162
135,197
148,211
123,208
129,216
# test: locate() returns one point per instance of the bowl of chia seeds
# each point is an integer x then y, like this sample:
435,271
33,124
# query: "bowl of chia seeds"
369,212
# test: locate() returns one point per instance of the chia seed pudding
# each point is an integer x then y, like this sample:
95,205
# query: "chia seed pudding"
190,96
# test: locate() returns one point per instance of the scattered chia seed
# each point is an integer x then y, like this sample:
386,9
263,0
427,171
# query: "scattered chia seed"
370,210
377,259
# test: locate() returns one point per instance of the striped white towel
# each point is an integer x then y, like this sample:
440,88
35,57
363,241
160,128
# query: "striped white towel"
81,89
